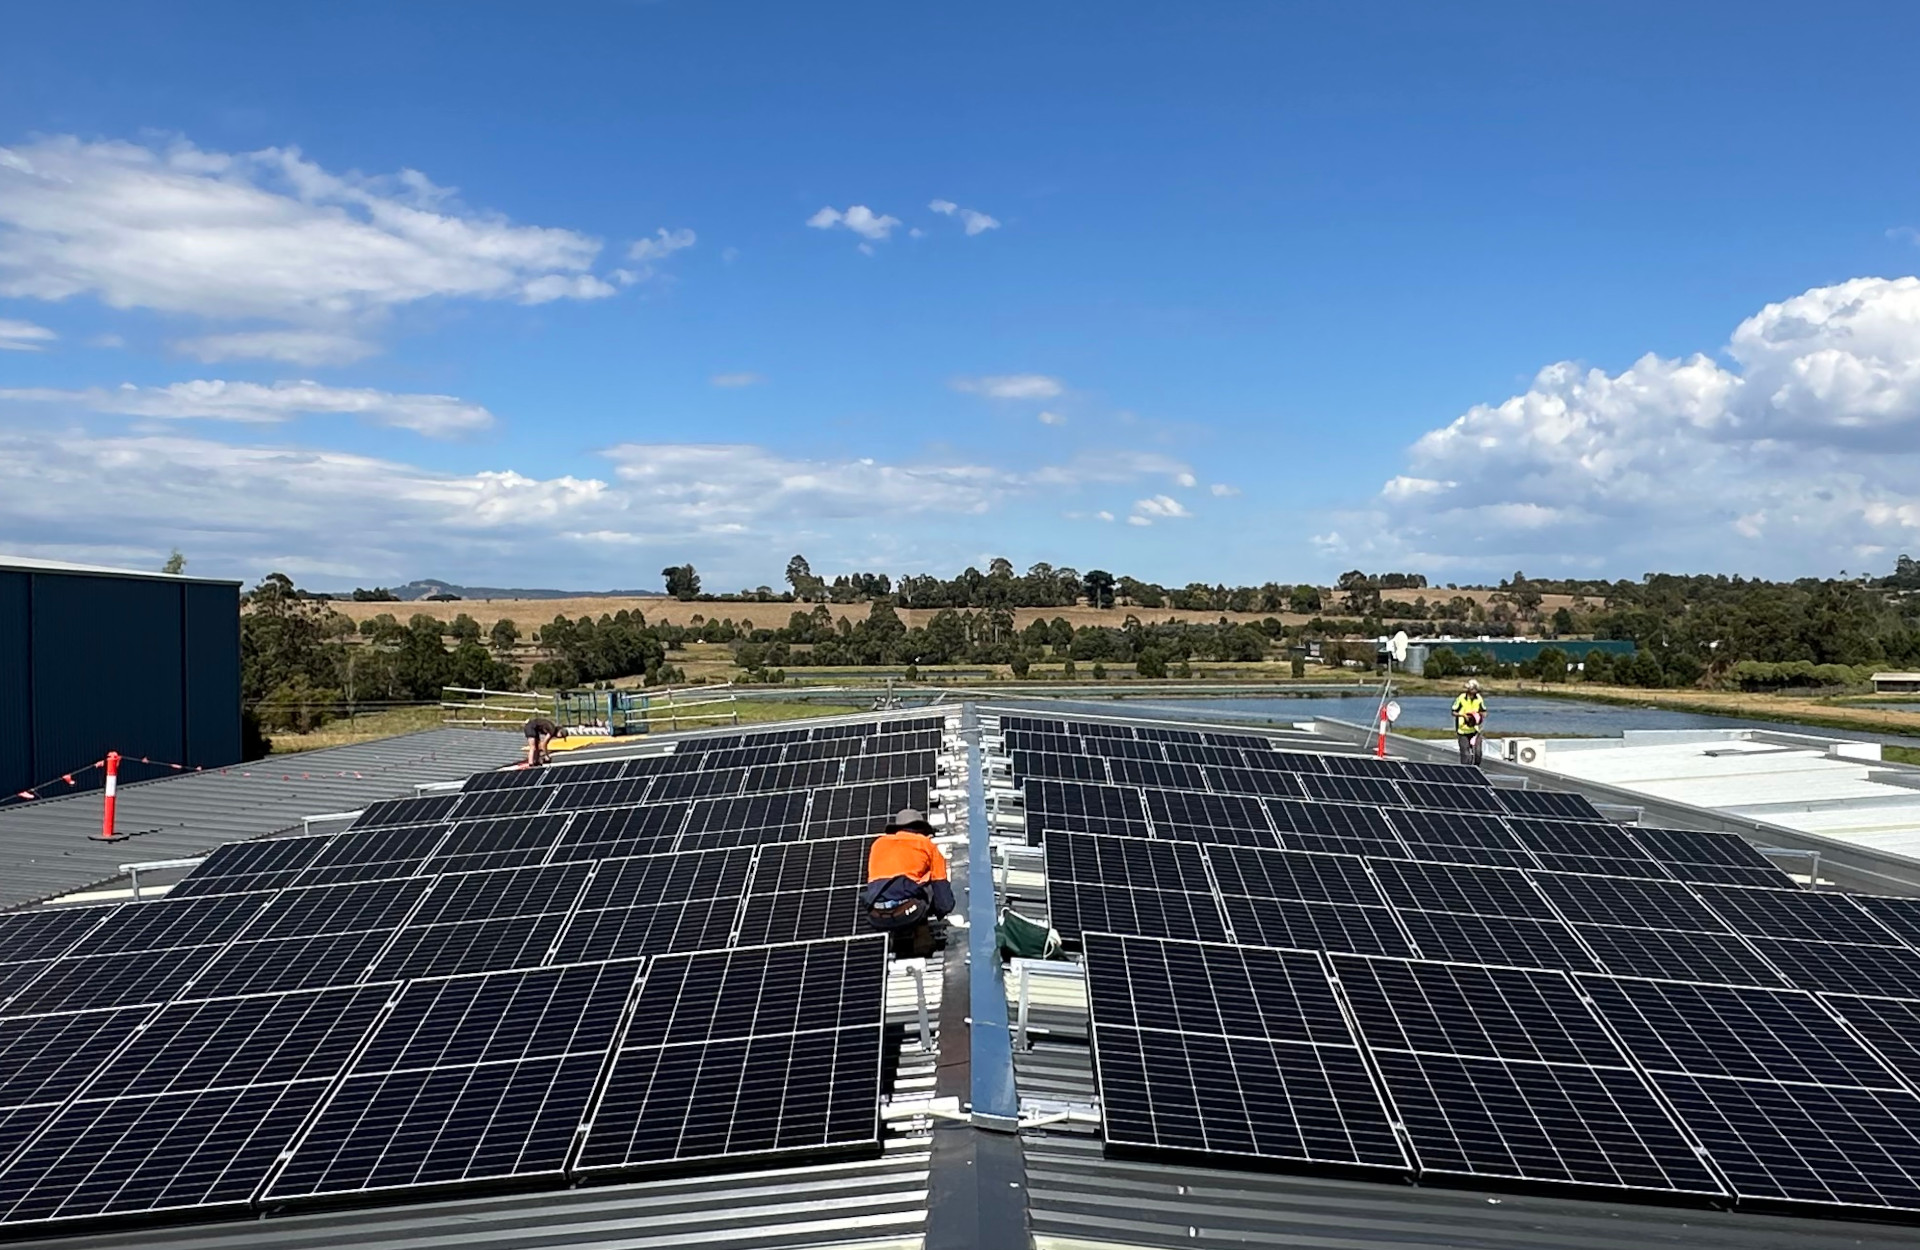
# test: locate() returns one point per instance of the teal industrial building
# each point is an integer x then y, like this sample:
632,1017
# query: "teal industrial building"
1507,650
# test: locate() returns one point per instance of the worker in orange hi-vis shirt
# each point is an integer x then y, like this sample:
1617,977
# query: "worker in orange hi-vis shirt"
906,884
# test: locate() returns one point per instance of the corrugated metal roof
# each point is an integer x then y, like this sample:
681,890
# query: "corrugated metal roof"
1835,788
50,847
27,564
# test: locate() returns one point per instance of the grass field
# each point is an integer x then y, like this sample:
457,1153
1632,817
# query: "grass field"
530,614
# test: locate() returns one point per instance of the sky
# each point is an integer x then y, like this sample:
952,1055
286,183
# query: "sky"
558,295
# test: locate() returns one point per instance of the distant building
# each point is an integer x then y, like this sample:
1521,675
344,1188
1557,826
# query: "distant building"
1506,650
95,660
1896,683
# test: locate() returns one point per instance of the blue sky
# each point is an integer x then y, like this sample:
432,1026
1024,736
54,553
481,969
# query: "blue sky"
373,292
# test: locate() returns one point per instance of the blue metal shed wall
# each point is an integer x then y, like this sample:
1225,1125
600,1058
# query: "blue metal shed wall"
16,684
107,672
212,674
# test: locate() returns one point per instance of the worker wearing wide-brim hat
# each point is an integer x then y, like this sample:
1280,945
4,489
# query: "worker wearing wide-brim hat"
906,884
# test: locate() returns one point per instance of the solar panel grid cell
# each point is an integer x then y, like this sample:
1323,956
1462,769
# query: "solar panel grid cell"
1901,915
282,965
1550,804
1189,1055
802,916
617,792
1795,914
1844,968
1671,953
1081,907
750,1051
1161,775
1039,764
392,812
1496,940
1084,808
629,831
1218,818
1139,863
508,842
703,784
1445,774
46,1059
1363,766
126,978
522,800
1448,798
896,765
1471,1010
164,923
1155,733
1336,788
1252,781
1891,1025
243,859
46,933
1315,926
1238,742
792,776
1637,903
1467,889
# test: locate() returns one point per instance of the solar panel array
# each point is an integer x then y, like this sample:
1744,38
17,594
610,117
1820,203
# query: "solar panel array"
544,976
1521,992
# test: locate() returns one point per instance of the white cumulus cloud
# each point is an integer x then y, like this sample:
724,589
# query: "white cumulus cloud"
267,236
1800,455
662,244
971,220
24,336
1221,490
1011,386
437,416
860,219
1052,418
294,347
1157,508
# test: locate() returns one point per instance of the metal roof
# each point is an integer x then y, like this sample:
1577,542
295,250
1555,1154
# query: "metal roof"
1830,787
27,564
51,847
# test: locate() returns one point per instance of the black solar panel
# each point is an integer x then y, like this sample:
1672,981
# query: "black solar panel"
509,778
1496,940
838,863
269,863
1229,1051
1315,926
897,764
1444,774
46,1059
1795,914
1332,827
1664,953
802,916
1127,749
286,964
630,831
804,775
1150,773
1333,788
777,816
1223,818
1313,878
1244,742
1464,888
1253,781
1077,907
520,801
1459,838
1218,757
1027,764
1719,1030
615,792
849,811
658,903
1699,848
1083,808
1844,968
1139,863
123,979
1891,1025
1641,904
680,786
507,842
1551,804
1468,1010
1901,915
476,1078
1154,733
1446,798
747,1052
46,933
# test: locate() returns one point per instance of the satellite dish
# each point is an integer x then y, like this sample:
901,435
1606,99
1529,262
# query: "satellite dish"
1397,647
1393,710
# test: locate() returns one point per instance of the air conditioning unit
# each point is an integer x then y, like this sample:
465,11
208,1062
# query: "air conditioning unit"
1525,750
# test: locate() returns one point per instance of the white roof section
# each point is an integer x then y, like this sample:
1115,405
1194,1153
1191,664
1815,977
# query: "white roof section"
1834,788
27,564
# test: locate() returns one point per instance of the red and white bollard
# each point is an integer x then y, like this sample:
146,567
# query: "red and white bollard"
113,779
1380,748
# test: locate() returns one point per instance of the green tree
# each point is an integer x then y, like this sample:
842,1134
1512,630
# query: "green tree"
176,563
1151,665
1562,622
504,636
683,583
1099,585
464,629
1021,665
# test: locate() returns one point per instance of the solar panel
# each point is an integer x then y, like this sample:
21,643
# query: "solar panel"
592,770
1551,804
1460,888
1252,781
1473,1011
1299,875
1445,798
1306,826
164,923
1699,848
1445,774
238,866
374,855
1026,764
1627,901
207,1099
1795,914
1332,788
474,1078
1219,757
47,1059
1139,863
1720,1030
508,778
1459,838
750,819
1496,940
630,831
898,764
285,964
1596,1126
122,979
755,1051
506,842
833,863
47,932
1244,742
1154,733
1081,808
1901,915
407,812
847,811
803,775
658,903
1892,1025
802,916
1151,773
1225,818
615,792
1668,953
1077,907
519,801
1229,1050
1314,926
1844,968
1576,837
1127,749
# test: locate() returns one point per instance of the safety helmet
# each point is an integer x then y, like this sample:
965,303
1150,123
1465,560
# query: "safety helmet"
1473,685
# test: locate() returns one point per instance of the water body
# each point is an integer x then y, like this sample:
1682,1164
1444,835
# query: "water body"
1507,715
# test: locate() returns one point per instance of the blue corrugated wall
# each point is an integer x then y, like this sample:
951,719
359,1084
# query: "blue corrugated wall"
90,664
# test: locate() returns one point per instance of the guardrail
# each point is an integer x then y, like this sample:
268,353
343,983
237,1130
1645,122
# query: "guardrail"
614,713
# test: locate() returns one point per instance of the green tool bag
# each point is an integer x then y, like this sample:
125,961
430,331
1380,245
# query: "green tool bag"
1021,938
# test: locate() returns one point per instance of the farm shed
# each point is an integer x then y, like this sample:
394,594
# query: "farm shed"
97,659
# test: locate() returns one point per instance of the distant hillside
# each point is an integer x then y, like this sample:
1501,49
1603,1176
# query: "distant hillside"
428,587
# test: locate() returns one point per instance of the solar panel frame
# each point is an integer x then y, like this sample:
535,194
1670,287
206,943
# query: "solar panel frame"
1720,957
1217,818
1137,863
1082,807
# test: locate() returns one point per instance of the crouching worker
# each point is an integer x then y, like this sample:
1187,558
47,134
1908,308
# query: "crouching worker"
906,884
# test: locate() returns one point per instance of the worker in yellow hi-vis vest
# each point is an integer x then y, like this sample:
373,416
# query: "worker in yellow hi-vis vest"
1469,714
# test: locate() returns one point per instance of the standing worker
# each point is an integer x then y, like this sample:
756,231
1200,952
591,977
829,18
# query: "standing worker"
540,731
906,884
1469,713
